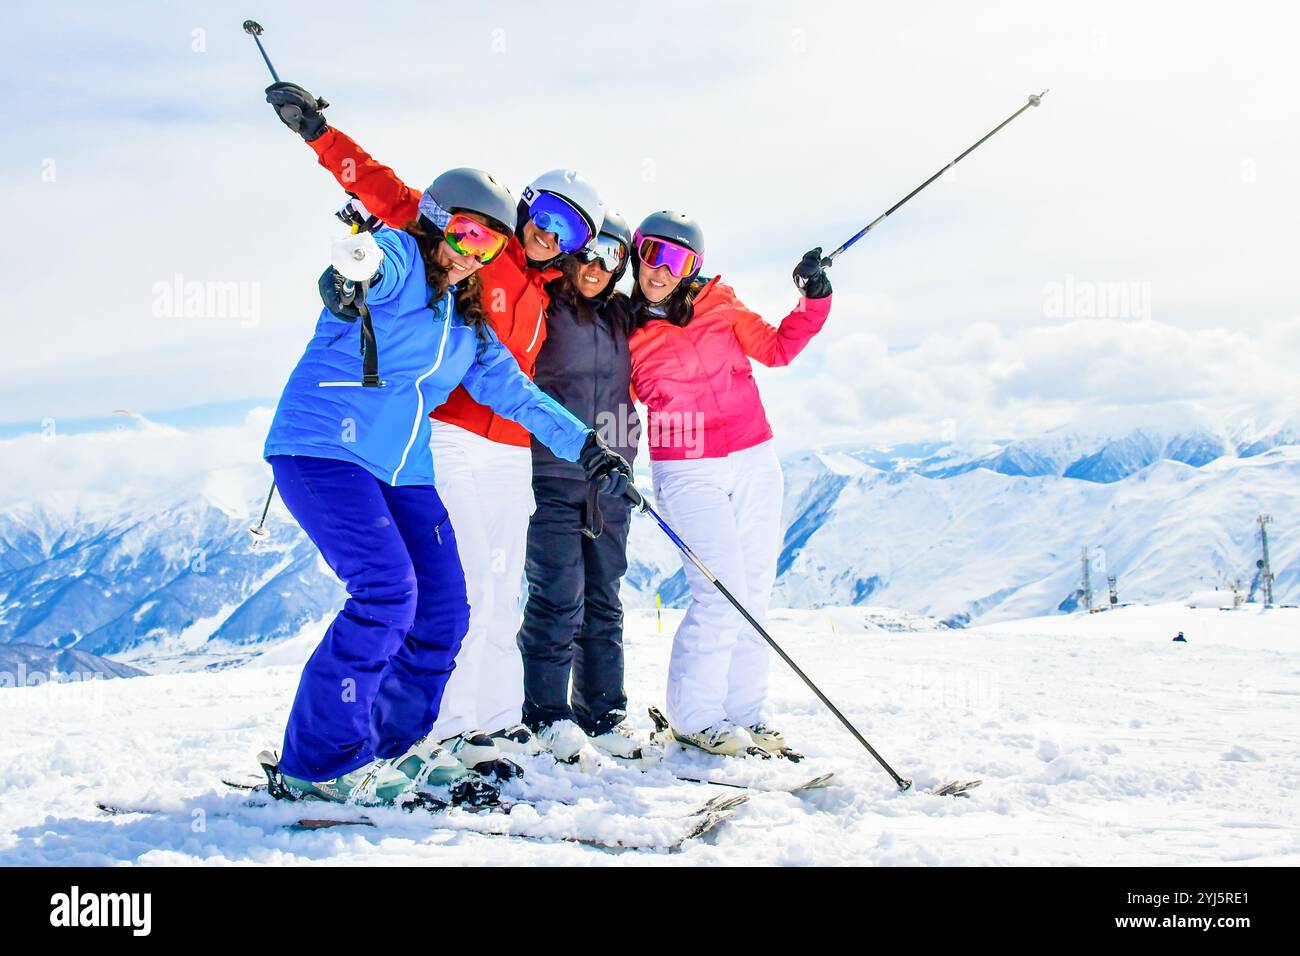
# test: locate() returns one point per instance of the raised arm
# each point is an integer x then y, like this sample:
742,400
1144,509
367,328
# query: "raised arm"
778,346
376,185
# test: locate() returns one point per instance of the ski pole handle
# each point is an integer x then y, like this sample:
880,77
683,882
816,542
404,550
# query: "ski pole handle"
633,494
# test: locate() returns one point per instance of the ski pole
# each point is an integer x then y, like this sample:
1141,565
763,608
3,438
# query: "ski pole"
1033,101
254,30
639,502
260,530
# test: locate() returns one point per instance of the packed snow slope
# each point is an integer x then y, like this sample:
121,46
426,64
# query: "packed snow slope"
1099,740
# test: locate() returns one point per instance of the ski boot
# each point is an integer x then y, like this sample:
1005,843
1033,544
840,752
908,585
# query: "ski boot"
725,739
517,740
378,782
440,778
479,753
622,743
568,744
773,741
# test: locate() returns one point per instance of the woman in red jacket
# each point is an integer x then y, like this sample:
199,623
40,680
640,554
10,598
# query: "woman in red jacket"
483,461
716,476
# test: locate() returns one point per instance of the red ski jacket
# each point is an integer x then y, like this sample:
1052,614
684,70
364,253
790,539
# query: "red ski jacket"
514,296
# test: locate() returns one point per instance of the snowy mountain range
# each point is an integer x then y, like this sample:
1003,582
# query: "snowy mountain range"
964,534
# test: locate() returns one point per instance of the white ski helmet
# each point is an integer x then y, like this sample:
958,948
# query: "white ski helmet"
571,185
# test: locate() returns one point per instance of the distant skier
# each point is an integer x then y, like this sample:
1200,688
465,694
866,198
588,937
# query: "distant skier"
1180,638
353,466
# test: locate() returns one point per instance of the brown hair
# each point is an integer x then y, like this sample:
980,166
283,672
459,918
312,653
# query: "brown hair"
612,303
679,307
565,289
469,298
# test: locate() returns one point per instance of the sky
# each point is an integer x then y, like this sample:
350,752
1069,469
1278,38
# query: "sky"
1128,245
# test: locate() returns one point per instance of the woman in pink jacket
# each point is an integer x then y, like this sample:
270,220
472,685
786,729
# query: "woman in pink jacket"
716,475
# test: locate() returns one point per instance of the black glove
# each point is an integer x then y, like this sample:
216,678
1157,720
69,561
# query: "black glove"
606,467
339,295
298,109
355,214
810,276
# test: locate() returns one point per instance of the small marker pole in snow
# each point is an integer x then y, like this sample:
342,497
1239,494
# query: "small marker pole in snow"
639,502
830,259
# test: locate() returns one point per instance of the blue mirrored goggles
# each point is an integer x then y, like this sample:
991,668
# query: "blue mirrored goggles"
608,250
552,213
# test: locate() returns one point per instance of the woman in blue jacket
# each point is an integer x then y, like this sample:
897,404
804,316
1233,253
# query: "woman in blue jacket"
349,447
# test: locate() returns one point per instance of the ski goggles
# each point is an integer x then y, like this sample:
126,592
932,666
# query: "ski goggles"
552,213
469,237
607,250
655,252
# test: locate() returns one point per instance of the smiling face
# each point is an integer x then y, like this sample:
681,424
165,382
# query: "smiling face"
592,278
539,246
459,267
656,284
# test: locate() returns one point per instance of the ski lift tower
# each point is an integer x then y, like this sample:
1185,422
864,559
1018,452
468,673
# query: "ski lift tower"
1087,581
1265,568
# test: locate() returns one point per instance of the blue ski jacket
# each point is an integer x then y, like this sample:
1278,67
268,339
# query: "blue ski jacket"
425,350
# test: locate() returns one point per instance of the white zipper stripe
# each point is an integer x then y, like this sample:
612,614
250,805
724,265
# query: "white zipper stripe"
419,395
541,313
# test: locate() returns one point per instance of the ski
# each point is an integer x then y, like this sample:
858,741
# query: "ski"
703,820
821,781
955,788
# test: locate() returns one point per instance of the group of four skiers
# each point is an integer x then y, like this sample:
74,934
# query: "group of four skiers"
468,418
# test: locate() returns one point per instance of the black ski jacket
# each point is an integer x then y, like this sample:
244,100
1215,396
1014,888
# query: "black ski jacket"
587,368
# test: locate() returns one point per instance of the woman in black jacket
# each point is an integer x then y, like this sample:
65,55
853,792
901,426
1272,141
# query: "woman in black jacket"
577,539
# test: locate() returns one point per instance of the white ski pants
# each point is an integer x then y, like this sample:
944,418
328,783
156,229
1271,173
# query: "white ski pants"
488,490
728,510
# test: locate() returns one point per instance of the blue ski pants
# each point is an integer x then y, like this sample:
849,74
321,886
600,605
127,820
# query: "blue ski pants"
374,683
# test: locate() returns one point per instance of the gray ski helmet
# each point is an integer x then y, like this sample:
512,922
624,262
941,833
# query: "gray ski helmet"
675,227
472,190
616,226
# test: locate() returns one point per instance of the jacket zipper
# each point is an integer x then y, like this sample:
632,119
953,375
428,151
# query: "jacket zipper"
538,330
419,395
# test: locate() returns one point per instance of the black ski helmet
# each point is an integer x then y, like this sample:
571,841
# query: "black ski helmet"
616,227
675,227
472,190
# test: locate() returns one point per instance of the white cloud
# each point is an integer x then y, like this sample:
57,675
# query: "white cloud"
995,383
1163,155
141,461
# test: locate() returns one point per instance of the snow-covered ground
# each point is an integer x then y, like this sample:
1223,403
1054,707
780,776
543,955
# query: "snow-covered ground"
1100,741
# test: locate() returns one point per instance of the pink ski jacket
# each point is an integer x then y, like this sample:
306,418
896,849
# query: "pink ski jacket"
696,381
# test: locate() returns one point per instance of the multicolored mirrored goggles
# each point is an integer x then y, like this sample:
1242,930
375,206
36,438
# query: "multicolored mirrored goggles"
608,250
469,237
655,252
555,214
